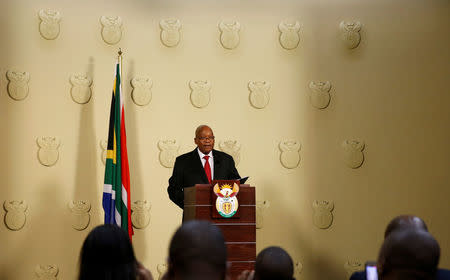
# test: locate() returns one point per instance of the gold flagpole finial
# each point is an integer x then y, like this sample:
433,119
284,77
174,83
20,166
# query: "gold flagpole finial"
120,52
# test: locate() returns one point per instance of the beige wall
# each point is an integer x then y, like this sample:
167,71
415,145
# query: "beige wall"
391,92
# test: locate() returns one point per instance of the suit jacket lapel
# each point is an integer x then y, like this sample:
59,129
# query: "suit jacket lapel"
217,165
198,166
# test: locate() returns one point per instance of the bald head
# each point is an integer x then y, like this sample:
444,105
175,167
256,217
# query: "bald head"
197,251
408,254
405,222
200,128
273,263
204,139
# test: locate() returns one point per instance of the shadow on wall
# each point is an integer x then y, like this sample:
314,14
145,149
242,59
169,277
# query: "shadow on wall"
86,186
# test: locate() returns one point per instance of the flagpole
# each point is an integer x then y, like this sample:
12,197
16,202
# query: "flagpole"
119,57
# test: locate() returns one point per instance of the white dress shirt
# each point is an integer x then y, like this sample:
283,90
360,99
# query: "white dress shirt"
210,160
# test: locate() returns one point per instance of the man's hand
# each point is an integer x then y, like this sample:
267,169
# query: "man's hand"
247,275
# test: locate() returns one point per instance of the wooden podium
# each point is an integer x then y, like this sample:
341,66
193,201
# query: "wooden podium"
239,231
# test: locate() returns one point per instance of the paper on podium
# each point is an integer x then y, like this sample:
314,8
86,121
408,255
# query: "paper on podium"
242,180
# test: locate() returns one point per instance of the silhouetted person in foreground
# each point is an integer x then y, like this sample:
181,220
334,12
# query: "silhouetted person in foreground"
197,251
405,222
272,263
400,223
107,254
408,255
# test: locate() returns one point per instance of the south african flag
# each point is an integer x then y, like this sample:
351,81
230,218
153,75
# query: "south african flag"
116,190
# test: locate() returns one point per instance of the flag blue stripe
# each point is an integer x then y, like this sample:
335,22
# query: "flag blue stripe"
108,206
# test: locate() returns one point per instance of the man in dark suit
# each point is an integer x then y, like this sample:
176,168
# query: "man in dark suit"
401,223
200,166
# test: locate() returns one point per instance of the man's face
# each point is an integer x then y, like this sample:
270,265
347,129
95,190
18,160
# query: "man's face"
205,140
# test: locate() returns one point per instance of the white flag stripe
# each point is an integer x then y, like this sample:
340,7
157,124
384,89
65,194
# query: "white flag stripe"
118,218
107,188
124,196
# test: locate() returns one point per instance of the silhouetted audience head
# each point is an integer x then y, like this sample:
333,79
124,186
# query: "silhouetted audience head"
107,253
197,251
408,254
405,222
274,263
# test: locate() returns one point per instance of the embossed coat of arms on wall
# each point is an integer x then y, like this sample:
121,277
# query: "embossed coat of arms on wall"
17,84
49,25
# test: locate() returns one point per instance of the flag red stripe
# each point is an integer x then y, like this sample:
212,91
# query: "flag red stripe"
125,170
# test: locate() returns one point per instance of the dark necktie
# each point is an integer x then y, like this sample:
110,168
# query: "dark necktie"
207,168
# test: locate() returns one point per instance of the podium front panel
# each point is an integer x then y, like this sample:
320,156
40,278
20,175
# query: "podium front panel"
239,232
241,251
203,212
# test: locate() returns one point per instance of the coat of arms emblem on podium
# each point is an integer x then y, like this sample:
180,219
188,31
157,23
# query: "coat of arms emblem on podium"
226,202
